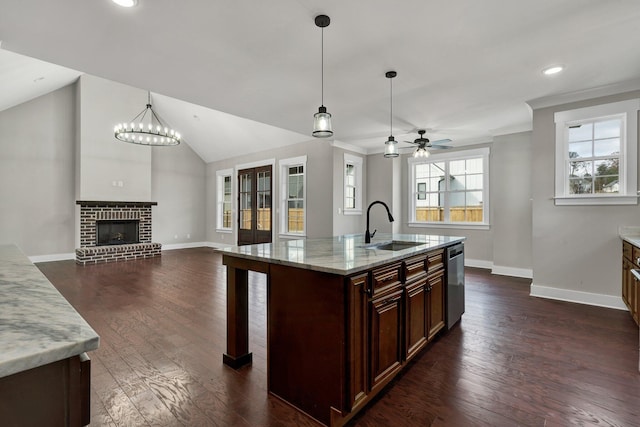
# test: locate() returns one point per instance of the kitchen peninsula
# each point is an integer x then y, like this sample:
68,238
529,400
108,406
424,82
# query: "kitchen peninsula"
44,369
343,317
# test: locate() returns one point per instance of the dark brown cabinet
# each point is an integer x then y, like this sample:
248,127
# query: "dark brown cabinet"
386,337
358,288
435,303
416,303
630,285
334,341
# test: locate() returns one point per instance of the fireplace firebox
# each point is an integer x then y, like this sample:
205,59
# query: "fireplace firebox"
117,232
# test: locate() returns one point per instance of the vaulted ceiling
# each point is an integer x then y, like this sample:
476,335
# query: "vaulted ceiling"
243,76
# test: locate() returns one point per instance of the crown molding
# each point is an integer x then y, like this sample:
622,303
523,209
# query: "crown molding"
350,147
582,95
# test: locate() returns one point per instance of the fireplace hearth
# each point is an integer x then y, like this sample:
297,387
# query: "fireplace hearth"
115,231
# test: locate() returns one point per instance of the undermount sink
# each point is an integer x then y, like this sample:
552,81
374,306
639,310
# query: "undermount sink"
394,245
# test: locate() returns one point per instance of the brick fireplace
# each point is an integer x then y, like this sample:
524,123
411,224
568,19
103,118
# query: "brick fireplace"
94,212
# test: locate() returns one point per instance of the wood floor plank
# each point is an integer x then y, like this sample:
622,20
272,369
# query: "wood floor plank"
513,360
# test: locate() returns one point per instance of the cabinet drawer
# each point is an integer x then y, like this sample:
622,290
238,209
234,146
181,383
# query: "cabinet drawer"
435,261
635,258
386,278
627,250
415,267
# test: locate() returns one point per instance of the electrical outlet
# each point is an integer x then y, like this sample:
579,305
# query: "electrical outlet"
188,235
175,236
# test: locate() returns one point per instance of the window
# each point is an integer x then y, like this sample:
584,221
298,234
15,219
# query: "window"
594,146
450,189
352,185
292,193
225,202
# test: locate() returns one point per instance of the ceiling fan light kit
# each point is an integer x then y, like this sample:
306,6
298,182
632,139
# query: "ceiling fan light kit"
391,146
146,129
322,119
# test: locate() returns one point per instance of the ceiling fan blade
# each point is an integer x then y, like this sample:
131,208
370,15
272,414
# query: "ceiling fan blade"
438,147
441,141
411,142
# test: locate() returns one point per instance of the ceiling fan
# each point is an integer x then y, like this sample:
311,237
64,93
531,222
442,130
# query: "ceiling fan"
424,143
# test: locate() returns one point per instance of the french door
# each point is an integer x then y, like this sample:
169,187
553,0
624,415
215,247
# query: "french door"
254,202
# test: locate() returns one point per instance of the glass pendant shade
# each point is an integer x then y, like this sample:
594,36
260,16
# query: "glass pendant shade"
391,148
322,123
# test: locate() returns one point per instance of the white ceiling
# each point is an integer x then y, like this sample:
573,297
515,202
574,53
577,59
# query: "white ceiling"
465,68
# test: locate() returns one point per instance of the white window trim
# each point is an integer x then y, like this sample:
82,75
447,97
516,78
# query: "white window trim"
628,110
220,175
447,156
283,167
357,162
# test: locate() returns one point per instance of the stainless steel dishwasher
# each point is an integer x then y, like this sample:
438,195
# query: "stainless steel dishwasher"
455,286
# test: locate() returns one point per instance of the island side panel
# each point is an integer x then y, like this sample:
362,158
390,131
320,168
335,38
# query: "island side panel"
306,343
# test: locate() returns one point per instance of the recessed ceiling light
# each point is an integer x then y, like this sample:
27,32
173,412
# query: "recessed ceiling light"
125,3
555,69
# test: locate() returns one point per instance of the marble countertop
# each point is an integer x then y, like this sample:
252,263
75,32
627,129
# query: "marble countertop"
631,234
37,325
342,255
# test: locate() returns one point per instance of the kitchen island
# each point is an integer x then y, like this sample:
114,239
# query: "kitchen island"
44,369
343,318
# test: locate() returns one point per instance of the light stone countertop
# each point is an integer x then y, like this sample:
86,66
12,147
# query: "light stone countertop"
342,255
37,325
631,234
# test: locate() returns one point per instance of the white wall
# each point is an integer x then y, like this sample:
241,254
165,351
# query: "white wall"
320,188
383,185
38,180
37,208
346,224
178,185
510,186
102,158
576,249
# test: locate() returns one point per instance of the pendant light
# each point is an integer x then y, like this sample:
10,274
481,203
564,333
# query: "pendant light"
146,129
391,146
322,119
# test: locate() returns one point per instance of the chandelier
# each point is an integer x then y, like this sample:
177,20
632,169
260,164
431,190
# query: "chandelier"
146,129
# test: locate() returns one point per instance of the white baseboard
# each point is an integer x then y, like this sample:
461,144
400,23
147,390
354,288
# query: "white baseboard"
478,263
172,246
525,273
53,257
600,300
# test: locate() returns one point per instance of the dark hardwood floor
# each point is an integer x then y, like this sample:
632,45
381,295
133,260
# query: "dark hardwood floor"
513,361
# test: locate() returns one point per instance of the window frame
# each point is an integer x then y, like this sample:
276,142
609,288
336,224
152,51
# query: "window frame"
220,176
357,163
447,157
627,169
283,168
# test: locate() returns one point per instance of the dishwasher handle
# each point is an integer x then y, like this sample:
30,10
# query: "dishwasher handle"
455,251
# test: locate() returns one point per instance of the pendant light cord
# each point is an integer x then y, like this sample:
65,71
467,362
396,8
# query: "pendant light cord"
391,105
322,66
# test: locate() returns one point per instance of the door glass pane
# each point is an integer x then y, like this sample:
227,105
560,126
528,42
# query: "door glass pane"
264,201
245,202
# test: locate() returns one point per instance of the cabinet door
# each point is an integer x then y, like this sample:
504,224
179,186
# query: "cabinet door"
416,315
358,287
386,337
436,304
627,280
634,296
